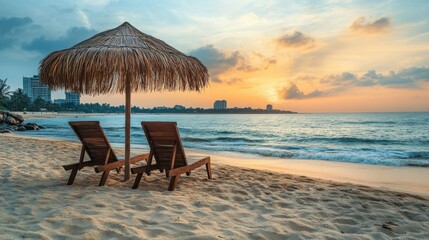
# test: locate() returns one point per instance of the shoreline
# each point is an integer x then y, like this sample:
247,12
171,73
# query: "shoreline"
405,179
38,115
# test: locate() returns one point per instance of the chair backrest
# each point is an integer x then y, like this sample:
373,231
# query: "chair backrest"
162,136
95,141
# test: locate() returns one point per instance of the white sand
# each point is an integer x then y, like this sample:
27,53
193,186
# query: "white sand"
238,203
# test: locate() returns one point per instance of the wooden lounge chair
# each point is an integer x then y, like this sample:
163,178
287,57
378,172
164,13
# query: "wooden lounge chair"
97,146
166,146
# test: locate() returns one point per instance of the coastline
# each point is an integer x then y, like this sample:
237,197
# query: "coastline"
406,179
38,115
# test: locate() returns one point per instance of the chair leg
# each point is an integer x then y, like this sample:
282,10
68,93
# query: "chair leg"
137,180
104,178
209,170
188,174
167,173
173,183
72,176
118,170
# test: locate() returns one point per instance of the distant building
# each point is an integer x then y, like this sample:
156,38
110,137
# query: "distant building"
35,89
179,107
72,97
269,107
59,101
219,104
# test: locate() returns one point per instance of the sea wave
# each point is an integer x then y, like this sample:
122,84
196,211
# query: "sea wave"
398,139
370,122
194,139
205,131
222,139
350,140
122,129
418,155
391,157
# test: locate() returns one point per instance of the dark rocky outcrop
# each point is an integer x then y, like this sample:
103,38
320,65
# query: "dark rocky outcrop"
10,118
14,122
17,117
21,128
32,126
5,131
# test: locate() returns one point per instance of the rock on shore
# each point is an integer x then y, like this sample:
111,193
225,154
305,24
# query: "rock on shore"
14,122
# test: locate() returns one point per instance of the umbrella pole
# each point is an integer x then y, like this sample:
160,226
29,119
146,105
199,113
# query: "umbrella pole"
127,128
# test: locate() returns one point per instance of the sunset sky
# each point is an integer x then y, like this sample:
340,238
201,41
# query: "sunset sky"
305,56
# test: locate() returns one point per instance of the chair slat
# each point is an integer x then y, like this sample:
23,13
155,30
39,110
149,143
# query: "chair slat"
164,141
97,146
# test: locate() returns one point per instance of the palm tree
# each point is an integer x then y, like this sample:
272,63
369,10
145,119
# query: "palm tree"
38,104
19,100
4,92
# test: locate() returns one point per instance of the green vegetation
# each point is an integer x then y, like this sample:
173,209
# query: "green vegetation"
4,93
18,101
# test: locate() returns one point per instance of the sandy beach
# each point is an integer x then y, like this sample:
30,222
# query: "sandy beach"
237,203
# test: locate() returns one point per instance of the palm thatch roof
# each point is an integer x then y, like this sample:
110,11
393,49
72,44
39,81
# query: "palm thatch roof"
104,62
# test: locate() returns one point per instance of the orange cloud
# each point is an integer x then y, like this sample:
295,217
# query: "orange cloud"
293,92
378,26
409,78
296,40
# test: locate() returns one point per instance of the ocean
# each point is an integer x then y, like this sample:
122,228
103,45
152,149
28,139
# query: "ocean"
395,139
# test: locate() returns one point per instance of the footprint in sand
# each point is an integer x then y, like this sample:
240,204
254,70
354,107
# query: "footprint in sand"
220,207
347,221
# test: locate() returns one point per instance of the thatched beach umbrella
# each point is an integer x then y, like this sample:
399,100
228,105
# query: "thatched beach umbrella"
122,60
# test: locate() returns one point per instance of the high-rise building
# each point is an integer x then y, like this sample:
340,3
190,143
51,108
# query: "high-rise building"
269,107
35,89
73,97
59,101
179,107
219,104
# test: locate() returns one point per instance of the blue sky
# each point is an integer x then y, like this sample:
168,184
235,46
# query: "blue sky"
303,55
